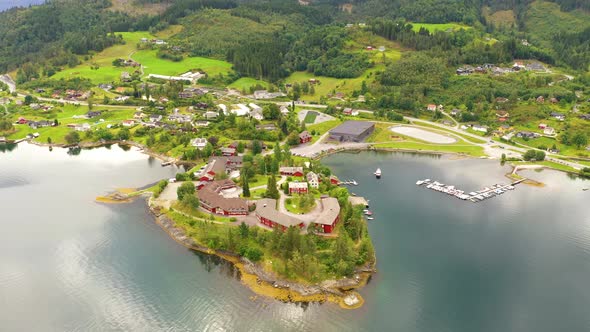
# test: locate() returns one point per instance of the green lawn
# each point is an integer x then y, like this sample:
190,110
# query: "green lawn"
65,116
246,83
310,117
292,204
322,128
154,65
432,27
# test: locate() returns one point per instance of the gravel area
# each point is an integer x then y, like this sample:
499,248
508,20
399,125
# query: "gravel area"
319,119
424,135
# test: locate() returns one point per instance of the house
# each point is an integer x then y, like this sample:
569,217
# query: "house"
222,108
558,116
220,165
527,134
268,215
480,128
329,217
180,118
501,100
585,117
535,66
82,127
266,126
549,131
210,115
284,110
40,124
431,107
155,117
350,111
92,114
540,99
455,112
553,100
291,171
334,180
128,123
234,145
502,114
518,65
228,152
199,143
254,107
201,123
264,94
22,121
125,77
298,188
212,199
240,110
304,137
313,180
542,126
440,108
352,131
369,48
257,114
2,139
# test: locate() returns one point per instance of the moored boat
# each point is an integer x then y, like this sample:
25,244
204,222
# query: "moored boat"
378,173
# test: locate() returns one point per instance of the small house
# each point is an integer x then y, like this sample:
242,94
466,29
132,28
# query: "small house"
298,188
128,123
304,137
227,152
431,107
291,171
313,180
199,143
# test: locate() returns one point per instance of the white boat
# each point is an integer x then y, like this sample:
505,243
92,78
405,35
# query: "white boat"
354,183
370,218
378,173
419,182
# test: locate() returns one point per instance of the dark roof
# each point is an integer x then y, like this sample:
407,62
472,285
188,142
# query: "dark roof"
352,128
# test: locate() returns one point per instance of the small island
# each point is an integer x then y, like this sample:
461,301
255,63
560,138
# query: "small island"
321,252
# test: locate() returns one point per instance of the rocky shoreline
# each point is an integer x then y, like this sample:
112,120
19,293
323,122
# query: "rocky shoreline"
266,283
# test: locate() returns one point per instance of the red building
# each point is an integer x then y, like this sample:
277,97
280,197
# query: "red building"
327,220
291,171
334,180
211,199
298,188
228,152
304,137
267,214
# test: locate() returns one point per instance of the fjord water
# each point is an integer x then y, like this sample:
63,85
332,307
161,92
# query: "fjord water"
520,262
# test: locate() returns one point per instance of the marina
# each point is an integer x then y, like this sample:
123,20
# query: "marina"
474,196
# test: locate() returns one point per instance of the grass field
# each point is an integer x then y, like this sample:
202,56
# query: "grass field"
432,27
154,65
310,117
65,117
106,72
246,83
322,128
329,85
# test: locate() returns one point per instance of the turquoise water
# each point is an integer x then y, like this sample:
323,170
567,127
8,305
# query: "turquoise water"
520,262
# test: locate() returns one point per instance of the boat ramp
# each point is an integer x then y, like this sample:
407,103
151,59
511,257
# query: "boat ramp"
474,196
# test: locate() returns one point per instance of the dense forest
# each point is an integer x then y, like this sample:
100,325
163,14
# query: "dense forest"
269,39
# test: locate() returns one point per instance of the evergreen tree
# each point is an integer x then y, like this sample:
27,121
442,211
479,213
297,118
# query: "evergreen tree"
245,186
271,188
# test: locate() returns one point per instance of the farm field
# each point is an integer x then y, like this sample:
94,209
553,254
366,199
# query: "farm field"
246,83
432,27
154,65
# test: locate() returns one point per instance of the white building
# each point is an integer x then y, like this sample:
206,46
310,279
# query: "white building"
223,108
257,114
313,180
254,107
240,110
199,143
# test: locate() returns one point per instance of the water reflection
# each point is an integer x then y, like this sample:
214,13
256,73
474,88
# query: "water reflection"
7,147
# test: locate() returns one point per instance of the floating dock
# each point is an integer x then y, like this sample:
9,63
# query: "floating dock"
474,196
349,183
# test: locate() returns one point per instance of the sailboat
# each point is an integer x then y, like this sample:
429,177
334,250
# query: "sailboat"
378,173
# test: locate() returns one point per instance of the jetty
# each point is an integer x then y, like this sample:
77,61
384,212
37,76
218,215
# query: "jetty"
474,196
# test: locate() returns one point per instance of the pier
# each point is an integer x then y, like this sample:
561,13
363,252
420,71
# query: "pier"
348,183
474,196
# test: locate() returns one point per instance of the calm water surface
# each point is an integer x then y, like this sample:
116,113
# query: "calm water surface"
520,262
